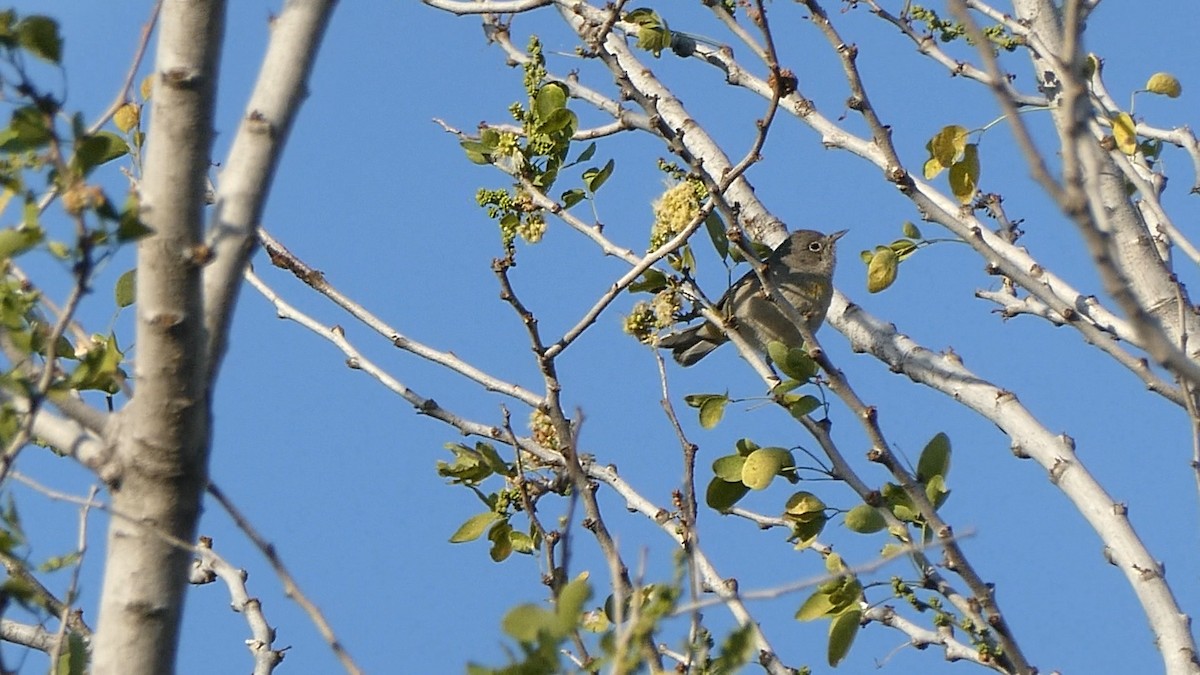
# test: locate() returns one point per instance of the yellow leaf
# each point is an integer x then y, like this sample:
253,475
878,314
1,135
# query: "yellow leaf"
1164,84
932,168
948,144
964,175
1124,134
881,271
126,117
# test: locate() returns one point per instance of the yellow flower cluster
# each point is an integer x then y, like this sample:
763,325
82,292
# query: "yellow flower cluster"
674,210
542,430
646,318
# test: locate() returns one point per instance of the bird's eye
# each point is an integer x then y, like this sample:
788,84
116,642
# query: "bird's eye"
814,246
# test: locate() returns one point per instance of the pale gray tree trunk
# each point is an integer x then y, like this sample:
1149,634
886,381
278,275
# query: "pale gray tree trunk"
162,437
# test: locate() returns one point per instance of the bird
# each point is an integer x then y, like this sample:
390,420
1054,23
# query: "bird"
801,269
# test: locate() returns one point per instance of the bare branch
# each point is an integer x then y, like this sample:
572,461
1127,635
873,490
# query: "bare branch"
463,7
249,170
285,259
1055,453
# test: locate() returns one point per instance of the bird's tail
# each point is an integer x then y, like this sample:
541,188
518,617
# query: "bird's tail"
691,345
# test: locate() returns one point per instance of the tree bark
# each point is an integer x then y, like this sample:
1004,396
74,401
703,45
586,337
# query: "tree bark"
162,437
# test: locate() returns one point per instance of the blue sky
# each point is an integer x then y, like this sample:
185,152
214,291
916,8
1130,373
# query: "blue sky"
339,473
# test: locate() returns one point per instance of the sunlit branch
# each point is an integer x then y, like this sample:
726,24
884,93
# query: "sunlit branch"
736,28
921,637
65,614
206,568
285,259
982,607
464,7
260,646
122,96
946,373
624,117
249,170
928,46
69,437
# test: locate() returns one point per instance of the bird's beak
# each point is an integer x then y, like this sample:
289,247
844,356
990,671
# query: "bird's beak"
837,235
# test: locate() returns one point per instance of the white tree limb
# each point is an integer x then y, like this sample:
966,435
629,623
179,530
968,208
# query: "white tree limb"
164,439
249,169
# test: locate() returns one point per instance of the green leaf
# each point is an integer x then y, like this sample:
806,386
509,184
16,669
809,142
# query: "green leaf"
936,492
587,153
763,465
16,240
729,468
524,622
697,400
903,248
559,120
58,562
803,405
785,387
131,227
816,606
571,600
792,361
881,271
58,249
842,632
469,467
74,659
493,460
898,502
805,532
477,153
865,519
910,230
716,232
31,217
550,99
722,495
99,368
594,178
501,537
474,527
935,458
572,197
39,36
652,281
834,565
126,288
804,506
712,410
745,446
736,651
92,151
27,130
845,594
521,542
653,34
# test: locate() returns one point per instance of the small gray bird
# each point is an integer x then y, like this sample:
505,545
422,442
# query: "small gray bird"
801,269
